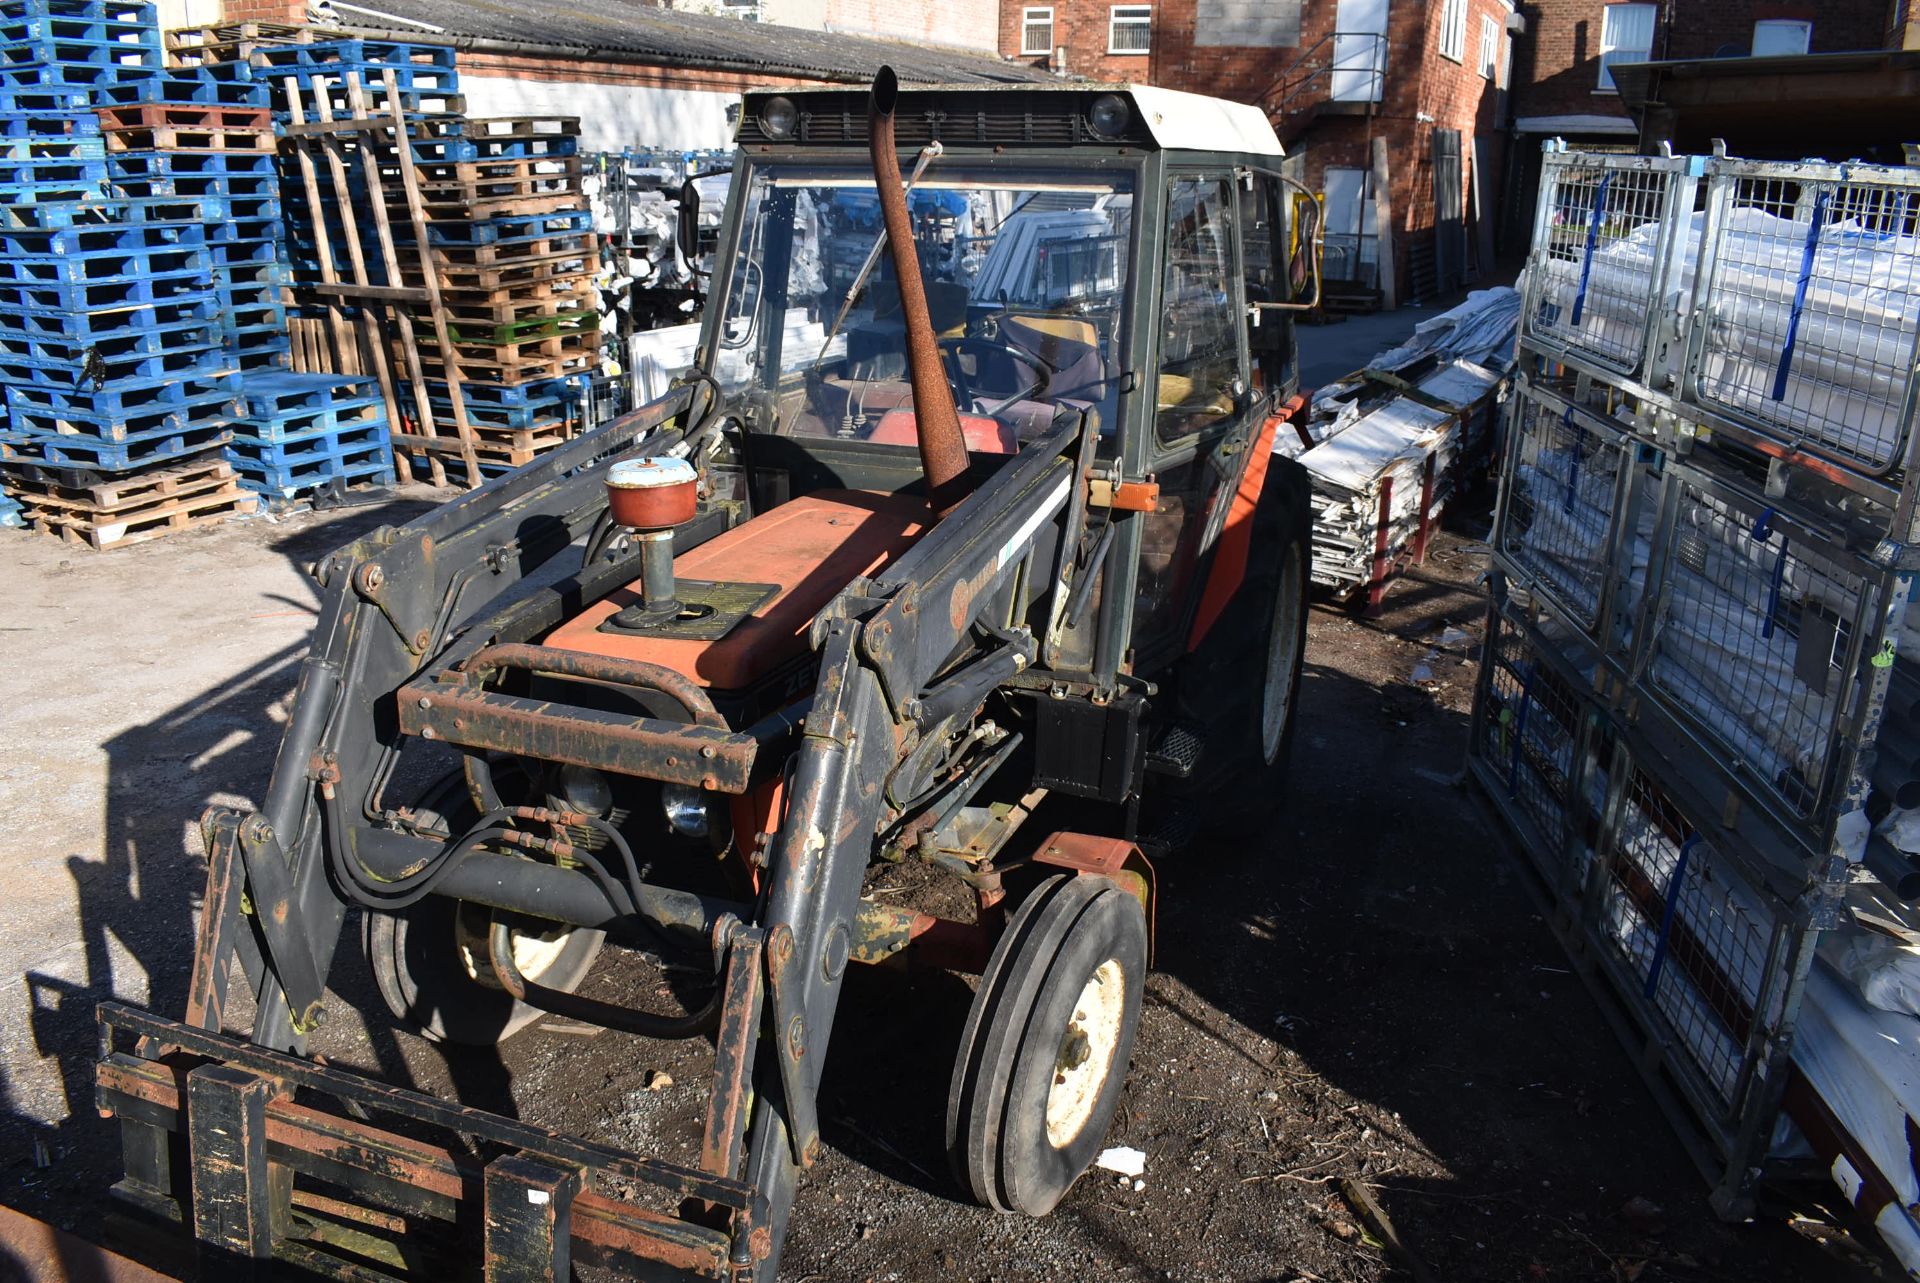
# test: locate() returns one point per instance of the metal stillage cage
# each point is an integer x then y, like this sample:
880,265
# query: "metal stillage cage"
1572,506
1806,306
1538,747
1605,230
1753,636
1707,949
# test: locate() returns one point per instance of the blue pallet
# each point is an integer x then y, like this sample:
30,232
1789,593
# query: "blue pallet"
101,238
129,400
515,229
105,296
568,387
196,308
192,87
546,411
51,149
76,123
168,436
287,393
245,253
285,438
200,187
135,12
104,267
74,38
134,378
54,171
73,73
364,455
45,97
139,166
63,348
96,211
10,511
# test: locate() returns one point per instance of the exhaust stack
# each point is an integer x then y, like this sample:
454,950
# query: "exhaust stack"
943,450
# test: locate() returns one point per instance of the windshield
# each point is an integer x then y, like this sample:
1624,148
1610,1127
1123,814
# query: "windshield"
1025,270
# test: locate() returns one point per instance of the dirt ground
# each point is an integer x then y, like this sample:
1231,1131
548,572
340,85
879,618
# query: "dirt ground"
1365,993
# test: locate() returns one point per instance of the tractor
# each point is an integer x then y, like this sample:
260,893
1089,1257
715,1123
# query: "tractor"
961,545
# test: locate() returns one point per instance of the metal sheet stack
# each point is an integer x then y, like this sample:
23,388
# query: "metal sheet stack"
1386,449
1694,707
447,259
120,394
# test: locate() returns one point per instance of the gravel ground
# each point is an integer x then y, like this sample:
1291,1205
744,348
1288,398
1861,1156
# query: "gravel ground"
1364,991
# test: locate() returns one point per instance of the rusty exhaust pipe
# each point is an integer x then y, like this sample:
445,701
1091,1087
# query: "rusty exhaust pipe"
943,450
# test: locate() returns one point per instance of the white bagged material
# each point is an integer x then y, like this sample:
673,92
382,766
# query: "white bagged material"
1884,971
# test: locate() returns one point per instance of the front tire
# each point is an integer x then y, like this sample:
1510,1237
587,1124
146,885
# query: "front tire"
1044,1054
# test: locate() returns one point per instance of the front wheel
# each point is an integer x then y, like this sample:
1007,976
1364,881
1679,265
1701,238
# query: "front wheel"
1045,1051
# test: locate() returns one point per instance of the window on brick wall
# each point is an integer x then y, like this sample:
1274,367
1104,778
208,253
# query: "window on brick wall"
1777,36
1129,28
1036,31
1489,48
1453,30
1626,35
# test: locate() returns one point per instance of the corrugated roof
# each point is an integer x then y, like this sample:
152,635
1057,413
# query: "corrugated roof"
630,29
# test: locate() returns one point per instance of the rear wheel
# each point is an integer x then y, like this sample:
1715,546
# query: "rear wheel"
431,961
1045,1051
1243,682
433,966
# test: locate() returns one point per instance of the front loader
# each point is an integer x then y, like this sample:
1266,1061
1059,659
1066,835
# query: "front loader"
962,546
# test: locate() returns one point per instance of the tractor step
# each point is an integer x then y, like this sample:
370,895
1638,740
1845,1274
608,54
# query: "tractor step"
1179,751
1173,830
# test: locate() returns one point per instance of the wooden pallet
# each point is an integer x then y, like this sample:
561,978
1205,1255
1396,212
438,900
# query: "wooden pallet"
169,138
536,303
184,115
469,282
464,207
135,509
232,42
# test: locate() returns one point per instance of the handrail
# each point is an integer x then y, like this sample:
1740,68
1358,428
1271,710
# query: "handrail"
1298,75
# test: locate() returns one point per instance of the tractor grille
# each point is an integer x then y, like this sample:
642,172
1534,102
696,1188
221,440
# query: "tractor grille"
1015,119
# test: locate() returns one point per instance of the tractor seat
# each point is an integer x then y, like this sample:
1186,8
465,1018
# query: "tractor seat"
808,548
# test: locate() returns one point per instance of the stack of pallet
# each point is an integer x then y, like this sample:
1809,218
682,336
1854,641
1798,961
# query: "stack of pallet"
299,431
119,394
449,258
1698,708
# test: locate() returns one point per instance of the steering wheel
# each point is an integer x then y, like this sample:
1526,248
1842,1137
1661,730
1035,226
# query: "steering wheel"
951,349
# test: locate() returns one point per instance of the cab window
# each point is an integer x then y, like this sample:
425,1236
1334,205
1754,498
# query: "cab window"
1200,371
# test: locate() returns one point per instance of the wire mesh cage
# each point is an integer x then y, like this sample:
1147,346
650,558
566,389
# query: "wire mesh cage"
1604,231
1807,306
1755,636
1529,747
1567,500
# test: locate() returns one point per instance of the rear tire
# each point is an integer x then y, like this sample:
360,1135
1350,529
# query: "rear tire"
432,965
431,961
1044,1055
1257,645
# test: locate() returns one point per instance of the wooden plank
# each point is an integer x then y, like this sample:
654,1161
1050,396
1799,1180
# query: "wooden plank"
419,219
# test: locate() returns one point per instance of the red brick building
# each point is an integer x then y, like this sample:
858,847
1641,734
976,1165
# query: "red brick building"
1394,108
1563,87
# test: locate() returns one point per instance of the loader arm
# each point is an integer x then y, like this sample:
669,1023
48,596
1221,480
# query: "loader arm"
391,600
883,646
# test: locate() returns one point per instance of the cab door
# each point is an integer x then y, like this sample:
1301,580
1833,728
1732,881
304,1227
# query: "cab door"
1206,410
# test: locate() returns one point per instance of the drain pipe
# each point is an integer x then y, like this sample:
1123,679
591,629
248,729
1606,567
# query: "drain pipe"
943,450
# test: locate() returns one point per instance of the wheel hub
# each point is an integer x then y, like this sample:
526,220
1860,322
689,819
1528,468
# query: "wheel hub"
1086,1053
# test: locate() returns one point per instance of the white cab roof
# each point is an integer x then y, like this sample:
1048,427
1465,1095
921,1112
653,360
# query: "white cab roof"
1199,123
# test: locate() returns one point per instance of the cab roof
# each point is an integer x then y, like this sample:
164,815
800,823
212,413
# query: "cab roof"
1052,114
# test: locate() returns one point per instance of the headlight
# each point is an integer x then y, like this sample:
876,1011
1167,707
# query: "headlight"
778,116
585,790
686,809
1108,116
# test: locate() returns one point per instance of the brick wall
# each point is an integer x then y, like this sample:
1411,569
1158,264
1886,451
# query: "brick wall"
1557,67
285,11
1083,28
